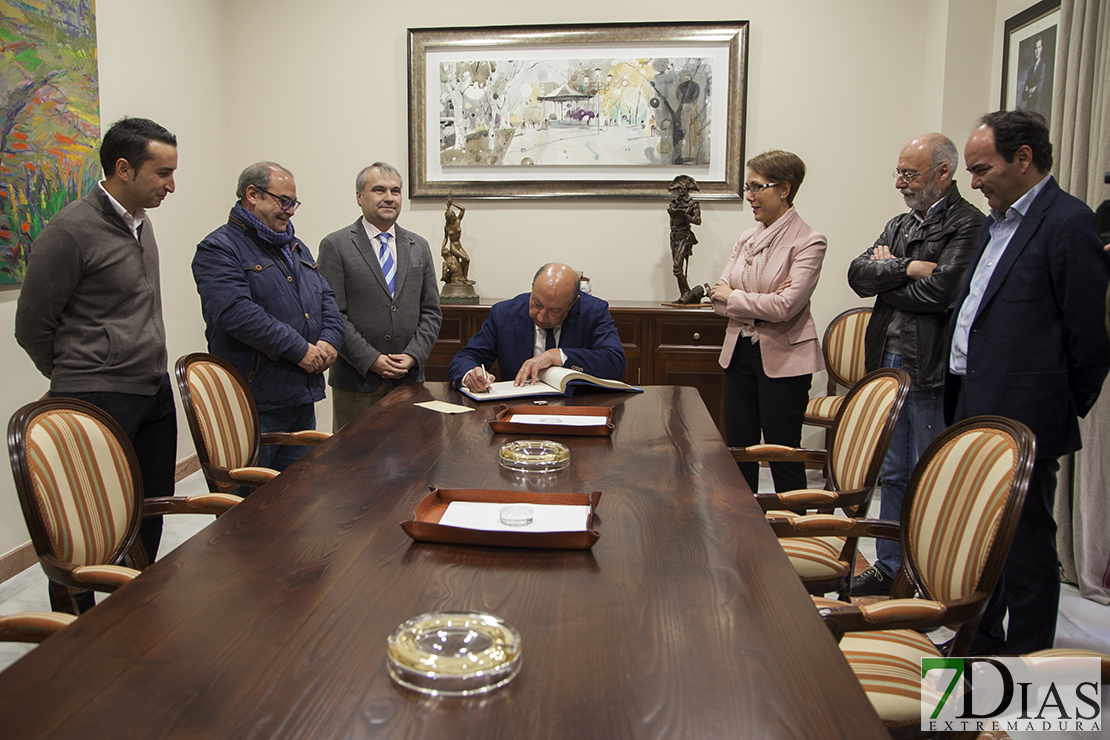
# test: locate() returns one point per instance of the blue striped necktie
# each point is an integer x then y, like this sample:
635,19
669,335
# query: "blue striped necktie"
389,268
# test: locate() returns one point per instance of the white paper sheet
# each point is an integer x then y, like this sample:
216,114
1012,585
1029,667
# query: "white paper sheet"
487,517
565,420
443,407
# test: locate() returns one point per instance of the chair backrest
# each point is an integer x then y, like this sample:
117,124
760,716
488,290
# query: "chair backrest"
222,415
863,428
961,509
843,348
78,481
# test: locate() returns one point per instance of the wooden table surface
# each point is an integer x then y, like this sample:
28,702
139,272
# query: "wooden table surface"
684,621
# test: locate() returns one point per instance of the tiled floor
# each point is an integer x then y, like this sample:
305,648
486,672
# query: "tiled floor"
27,591
1082,623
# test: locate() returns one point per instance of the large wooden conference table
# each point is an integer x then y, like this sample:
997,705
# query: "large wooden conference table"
685,620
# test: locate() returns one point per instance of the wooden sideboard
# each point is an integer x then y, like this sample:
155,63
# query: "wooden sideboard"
664,345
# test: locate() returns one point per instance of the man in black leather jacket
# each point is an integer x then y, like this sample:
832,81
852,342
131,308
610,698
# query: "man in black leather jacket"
914,270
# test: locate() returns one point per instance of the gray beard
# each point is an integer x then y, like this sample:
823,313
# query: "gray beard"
922,200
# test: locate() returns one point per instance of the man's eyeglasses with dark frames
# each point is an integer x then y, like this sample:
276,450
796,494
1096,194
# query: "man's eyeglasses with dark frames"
286,204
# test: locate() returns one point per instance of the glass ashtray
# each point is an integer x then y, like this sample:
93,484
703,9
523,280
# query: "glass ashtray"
454,653
534,456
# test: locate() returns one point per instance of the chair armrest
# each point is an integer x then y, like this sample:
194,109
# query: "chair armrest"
778,453
816,525
103,577
251,476
205,503
307,437
809,499
896,614
32,626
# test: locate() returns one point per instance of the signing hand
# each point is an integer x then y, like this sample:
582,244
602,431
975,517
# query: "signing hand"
478,380
530,371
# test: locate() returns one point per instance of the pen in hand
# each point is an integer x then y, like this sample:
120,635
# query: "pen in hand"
485,379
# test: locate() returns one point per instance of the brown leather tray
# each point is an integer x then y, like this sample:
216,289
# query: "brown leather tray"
425,527
501,424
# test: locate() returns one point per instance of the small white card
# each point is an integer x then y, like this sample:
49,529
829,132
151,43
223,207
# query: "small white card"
443,407
487,517
567,420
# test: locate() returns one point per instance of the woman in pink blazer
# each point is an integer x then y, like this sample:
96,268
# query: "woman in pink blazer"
771,349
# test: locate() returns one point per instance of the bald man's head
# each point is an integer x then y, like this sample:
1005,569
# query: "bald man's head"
554,290
925,168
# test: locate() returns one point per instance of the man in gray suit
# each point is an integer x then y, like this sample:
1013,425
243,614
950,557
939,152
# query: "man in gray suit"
386,289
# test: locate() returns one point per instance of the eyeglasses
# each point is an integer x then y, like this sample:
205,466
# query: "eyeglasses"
909,175
286,204
755,187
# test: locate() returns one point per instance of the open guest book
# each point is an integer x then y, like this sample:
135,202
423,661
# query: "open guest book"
553,381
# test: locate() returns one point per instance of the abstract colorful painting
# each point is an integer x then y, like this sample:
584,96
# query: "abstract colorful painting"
49,118
577,110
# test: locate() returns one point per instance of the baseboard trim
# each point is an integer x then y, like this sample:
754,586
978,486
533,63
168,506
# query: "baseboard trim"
185,468
16,561
23,557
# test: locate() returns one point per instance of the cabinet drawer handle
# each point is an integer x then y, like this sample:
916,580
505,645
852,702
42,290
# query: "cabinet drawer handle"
697,335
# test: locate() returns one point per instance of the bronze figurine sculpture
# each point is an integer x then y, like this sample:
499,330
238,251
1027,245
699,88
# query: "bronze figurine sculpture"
458,288
684,212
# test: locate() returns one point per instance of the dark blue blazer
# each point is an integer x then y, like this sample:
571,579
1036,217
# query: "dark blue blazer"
589,339
1038,351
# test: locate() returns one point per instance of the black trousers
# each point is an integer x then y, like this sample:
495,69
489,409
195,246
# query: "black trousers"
150,423
1029,587
761,408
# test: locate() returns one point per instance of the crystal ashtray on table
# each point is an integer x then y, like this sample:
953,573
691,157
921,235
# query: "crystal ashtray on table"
534,456
454,653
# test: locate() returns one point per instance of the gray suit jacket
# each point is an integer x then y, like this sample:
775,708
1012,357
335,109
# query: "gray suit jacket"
377,324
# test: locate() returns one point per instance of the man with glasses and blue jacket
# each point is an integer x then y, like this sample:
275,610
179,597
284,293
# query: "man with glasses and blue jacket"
267,310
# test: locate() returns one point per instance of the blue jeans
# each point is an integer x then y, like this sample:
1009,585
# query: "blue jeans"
286,419
922,419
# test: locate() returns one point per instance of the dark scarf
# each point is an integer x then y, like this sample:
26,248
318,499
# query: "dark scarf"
281,239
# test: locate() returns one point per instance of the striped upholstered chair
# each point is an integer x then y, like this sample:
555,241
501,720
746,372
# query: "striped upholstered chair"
223,420
844,364
961,508
861,433
32,626
81,491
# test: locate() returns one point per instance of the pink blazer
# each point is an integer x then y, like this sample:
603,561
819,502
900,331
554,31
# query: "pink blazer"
787,335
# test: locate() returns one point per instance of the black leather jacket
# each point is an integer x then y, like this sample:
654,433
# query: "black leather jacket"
948,237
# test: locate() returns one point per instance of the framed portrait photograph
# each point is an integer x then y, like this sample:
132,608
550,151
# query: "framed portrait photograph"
1029,59
614,110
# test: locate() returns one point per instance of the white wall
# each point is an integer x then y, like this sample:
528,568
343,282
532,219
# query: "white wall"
322,88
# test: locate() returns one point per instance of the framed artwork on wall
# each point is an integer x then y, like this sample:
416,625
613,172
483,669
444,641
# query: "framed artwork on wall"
1029,59
49,119
612,110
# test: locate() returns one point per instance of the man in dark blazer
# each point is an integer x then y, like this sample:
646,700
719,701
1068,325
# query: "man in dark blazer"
386,289
1028,343
554,324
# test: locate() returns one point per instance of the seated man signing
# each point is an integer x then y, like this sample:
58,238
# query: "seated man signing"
552,325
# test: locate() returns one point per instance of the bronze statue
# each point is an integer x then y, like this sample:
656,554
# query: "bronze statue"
684,212
457,287
456,262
